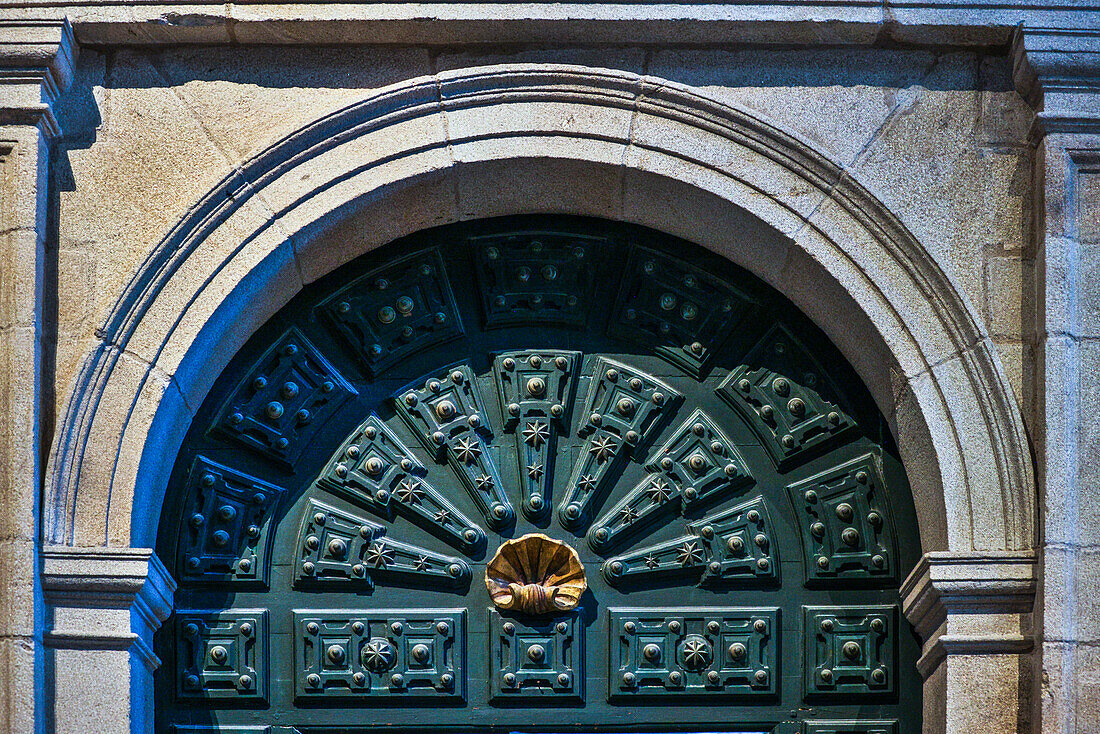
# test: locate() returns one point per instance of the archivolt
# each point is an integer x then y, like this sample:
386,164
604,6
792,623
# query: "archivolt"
518,139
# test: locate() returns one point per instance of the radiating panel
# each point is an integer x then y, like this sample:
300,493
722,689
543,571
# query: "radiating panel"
226,531
536,397
786,397
376,471
448,417
337,547
623,409
696,466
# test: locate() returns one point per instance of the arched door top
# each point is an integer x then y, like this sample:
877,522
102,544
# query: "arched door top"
512,139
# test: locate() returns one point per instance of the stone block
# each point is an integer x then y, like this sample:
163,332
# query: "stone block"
250,99
512,176
1010,297
17,581
21,674
842,93
1071,583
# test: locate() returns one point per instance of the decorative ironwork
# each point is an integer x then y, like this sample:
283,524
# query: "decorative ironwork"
336,546
535,574
285,399
733,546
539,278
847,530
222,655
376,471
225,535
537,658
850,650
447,417
536,397
688,652
680,311
624,406
380,653
395,311
698,464
787,398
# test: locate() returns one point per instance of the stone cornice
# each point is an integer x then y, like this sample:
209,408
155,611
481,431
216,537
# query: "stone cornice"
1058,71
127,591
971,604
36,66
961,23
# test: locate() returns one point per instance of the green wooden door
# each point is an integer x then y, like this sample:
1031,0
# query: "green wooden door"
724,521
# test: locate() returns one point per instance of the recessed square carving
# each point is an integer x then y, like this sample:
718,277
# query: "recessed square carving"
694,652
537,657
850,650
380,653
222,655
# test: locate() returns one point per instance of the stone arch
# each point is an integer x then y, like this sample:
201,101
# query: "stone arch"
518,139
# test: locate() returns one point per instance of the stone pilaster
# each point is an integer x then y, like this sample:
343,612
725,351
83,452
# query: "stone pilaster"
1059,70
103,606
973,613
36,61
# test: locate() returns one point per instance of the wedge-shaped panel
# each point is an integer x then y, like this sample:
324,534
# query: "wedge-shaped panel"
733,546
536,278
284,400
395,311
624,408
537,657
338,547
850,650
710,652
847,530
227,529
786,397
536,396
376,471
222,655
447,416
385,653
697,465
681,311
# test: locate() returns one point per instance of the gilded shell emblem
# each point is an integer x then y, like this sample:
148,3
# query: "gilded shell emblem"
535,574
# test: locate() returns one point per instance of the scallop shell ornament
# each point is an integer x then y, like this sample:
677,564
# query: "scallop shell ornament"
535,574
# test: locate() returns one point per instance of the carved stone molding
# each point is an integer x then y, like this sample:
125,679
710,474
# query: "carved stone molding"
1058,70
971,604
105,599
922,323
36,66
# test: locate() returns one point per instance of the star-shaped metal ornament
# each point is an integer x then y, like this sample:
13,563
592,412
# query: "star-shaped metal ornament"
586,483
409,492
696,654
603,448
380,555
467,450
689,554
659,490
483,482
536,433
628,515
534,471
423,564
651,562
442,517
